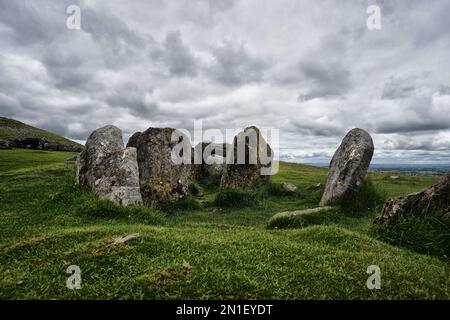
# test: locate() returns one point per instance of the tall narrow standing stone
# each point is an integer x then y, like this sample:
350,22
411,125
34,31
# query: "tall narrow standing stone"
348,166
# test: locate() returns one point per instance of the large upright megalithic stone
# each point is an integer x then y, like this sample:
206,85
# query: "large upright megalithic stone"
348,167
250,161
434,200
161,179
108,169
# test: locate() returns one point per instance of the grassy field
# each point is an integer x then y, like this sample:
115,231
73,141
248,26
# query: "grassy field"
196,249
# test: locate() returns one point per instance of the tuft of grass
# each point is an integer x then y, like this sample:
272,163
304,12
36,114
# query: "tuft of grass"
368,200
106,209
241,198
187,203
424,234
194,188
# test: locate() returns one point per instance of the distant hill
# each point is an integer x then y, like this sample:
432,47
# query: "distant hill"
11,129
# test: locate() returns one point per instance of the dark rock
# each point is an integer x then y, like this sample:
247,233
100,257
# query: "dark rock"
434,200
250,161
161,179
108,169
208,159
348,167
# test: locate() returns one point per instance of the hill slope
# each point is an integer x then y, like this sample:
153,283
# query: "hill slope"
11,129
193,252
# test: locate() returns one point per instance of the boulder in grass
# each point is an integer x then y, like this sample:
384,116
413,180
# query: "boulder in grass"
348,167
108,168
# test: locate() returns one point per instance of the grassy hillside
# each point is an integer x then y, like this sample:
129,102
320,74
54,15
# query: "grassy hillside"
196,249
11,129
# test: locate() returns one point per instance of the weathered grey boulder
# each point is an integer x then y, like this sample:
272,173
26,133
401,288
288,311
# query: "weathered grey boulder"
348,166
435,201
161,177
108,169
250,161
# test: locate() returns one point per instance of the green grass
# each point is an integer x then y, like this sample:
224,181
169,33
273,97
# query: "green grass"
47,223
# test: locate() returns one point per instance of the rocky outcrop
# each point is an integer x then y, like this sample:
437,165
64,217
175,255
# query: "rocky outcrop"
250,161
108,169
433,201
160,177
348,167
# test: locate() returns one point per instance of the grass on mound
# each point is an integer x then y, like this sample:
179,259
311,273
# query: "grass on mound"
48,223
365,204
425,234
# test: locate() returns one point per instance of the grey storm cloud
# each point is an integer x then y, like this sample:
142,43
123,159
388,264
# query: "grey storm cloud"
326,80
234,65
176,56
310,69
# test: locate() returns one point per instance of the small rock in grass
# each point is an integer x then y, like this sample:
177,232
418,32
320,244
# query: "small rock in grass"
288,187
186,265
301,212
123,239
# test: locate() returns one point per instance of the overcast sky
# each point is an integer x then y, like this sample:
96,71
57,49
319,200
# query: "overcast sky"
311,69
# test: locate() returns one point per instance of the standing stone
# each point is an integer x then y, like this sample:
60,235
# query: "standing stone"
435,200
108,169
208,159
250,161
348,167
161,179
